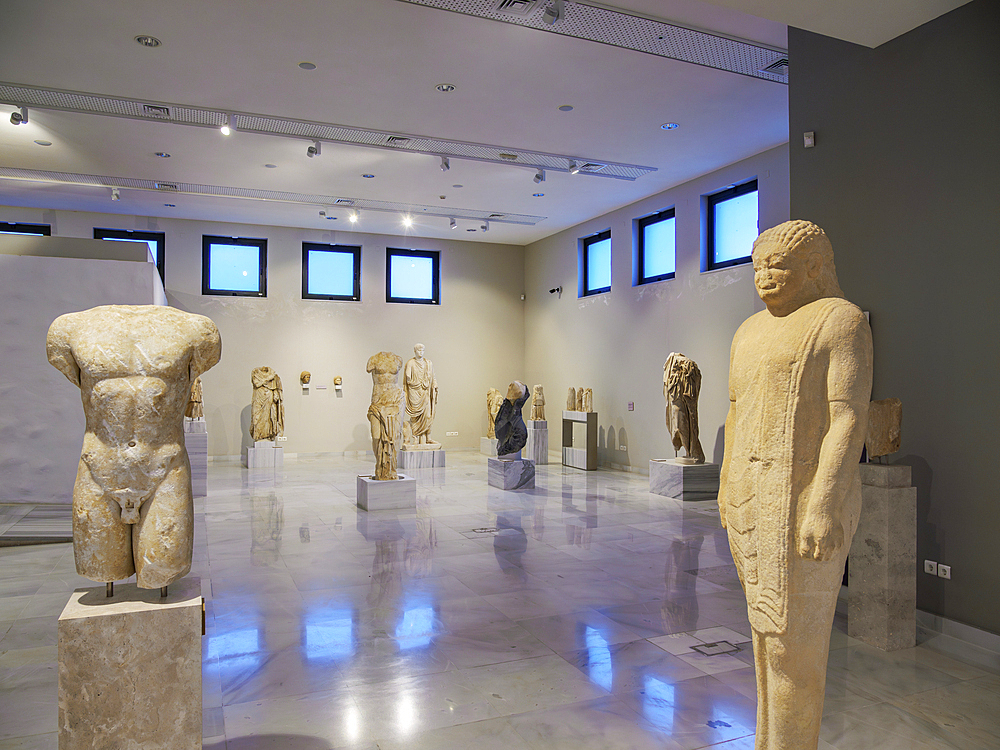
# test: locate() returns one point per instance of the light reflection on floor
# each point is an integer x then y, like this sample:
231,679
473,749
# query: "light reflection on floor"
562,616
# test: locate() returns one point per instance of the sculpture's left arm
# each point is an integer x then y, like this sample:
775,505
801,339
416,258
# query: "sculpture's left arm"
207,347
821,533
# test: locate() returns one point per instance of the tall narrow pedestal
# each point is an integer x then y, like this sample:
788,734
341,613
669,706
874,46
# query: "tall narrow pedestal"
196,445
516,474
387,494
882,578
670,478
264,455
537,446
579,457
130,668
488,446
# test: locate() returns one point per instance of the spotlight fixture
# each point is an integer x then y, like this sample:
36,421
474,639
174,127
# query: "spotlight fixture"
162,154
539,176
147,41
555,12
355,215
115,195
574,168
452,224
445,164
229,126
445,88
19,117
669,126
307,66
485,226
556,290
407,222
314,150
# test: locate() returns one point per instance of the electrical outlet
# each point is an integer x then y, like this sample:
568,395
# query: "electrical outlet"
944,571
452,434
930,567
282,438
623,447
631,405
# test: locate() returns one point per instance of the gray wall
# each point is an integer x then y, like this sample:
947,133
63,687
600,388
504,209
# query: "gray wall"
905,179
616,342
475,337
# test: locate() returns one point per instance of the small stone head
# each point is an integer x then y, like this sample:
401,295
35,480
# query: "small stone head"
305,377
516,390
338,380
419,351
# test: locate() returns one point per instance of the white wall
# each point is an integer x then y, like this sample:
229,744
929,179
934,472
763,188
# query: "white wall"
616,342
475,337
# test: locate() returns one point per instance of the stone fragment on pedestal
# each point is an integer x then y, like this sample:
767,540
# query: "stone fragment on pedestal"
882,566
130,668
669,477
386,494
537,446
516,474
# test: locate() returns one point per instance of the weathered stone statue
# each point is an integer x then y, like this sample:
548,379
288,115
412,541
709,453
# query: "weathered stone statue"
579,399
383,414
681,386
588,400
571,399
885,427
304,377
132,506
421,396
267,410
799,383
194,408
537,404
512,433
494,399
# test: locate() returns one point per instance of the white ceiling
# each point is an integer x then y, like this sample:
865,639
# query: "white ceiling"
378,62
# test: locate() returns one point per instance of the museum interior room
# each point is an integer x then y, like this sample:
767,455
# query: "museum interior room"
309,176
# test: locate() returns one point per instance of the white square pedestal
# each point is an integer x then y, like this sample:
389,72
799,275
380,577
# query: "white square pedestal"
488,446
196,445
264,455
130,668
420,459
882,572
517,474
670,478
537,446
387,494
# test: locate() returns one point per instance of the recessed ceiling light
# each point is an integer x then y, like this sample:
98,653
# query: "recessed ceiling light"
162,154
670,126
442,197
148,41
331,218
44,143
445,88
170,205
458,186
368,176
271,166
407,221
566,108
307,66
537,195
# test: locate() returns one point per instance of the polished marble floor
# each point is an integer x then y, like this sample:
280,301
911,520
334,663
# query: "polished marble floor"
567,616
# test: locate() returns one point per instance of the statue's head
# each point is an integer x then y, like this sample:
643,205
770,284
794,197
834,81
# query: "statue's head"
419,351
516,390
305,377
537,390
793,265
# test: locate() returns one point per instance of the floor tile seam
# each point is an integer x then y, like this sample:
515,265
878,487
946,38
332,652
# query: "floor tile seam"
853,714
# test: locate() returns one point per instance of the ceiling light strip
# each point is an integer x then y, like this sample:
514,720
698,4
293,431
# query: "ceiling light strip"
96,104
308,199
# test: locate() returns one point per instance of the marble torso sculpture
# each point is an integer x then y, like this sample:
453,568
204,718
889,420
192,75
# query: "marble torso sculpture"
383,414
421,390
790,496
537,404
194,408
267,410
681,386
132,503
512,433
494,399
588,400
571,399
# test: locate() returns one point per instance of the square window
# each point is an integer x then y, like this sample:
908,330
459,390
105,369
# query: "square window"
595,264
656,247
17,227
155,241
413,276
331,271
234,266
732,225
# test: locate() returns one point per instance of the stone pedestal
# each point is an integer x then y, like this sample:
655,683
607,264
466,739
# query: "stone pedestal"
387,494
130,668
585,456
196,444
669,477
537,446
882,567
413,458
488,446
264,455
514,474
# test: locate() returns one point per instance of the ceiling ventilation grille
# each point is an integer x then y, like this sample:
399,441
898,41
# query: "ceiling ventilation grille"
152,110
608,26
515,7
778,67
98,104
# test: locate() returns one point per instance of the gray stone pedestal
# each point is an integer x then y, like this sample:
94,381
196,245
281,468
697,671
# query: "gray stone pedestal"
537,446
488,446
670,478
264,455
196,445
387,494
514,474
130,668
420,459
882,577
578,457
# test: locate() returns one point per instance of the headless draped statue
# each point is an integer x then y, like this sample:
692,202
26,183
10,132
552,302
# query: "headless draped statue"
494,399
537,404
681,386
383,414
267,410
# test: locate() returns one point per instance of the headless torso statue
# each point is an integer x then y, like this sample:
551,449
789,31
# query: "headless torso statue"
383,414
132,505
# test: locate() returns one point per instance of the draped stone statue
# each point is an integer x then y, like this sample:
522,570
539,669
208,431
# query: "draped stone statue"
194,408
681,386
512,433
494,399
588,400
537,404
267,410
800,378
579,399
383,414
132,502
421,390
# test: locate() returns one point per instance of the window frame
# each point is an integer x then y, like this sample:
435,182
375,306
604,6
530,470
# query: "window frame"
103,233
354,250
750,186
207,240
641,224
434,255
585,243
21,227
